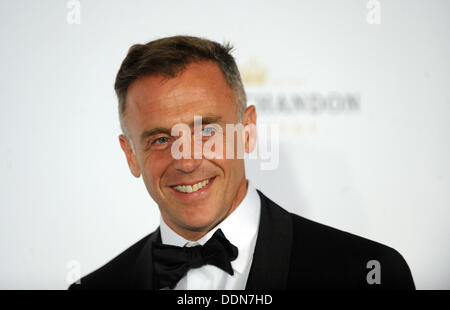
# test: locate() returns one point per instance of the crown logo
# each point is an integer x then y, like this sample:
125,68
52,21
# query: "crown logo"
253,72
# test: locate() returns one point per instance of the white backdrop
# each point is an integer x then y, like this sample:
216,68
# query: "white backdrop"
376,165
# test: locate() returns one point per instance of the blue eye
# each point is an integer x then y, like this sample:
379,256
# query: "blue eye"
161,140
207,131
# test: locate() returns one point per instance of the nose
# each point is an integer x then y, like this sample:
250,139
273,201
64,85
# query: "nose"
189,165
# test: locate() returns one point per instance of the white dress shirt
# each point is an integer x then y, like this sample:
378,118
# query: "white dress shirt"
241,229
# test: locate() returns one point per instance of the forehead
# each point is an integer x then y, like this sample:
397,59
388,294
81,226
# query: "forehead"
199,90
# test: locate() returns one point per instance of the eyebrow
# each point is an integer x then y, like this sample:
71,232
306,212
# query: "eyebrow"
208,120
153,132
158,130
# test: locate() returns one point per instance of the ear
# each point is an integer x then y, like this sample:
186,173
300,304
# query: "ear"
131,156
249,123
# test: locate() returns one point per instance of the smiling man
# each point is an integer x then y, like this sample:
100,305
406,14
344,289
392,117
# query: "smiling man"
155,104
216,230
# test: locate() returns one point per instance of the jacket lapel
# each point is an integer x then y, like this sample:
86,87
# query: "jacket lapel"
271,259
143,269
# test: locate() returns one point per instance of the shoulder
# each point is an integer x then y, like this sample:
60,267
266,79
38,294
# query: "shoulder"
117,273
312,235
328,257
341,259
315,235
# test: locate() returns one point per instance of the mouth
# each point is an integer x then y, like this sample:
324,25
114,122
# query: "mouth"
193,188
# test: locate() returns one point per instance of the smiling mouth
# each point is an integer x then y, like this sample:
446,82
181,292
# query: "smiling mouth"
187,189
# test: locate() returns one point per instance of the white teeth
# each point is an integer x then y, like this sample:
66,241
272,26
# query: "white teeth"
193,188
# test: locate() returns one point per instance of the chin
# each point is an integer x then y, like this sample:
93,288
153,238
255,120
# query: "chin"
200,221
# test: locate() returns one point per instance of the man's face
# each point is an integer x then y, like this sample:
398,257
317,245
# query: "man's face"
154,105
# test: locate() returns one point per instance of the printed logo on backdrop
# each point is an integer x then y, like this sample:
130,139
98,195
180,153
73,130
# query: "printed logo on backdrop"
285,102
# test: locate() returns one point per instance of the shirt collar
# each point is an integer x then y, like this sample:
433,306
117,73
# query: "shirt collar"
240,228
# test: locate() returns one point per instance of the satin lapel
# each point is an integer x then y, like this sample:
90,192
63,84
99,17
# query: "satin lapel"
143,270
271,259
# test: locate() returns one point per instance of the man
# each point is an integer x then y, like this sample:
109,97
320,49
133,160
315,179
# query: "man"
217,231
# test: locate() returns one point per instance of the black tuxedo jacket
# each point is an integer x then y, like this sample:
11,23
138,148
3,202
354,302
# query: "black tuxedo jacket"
291,253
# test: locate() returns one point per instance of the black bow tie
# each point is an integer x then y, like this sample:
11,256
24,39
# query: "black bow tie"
171,263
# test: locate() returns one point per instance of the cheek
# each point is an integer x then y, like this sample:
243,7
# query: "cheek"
230,167
154,166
